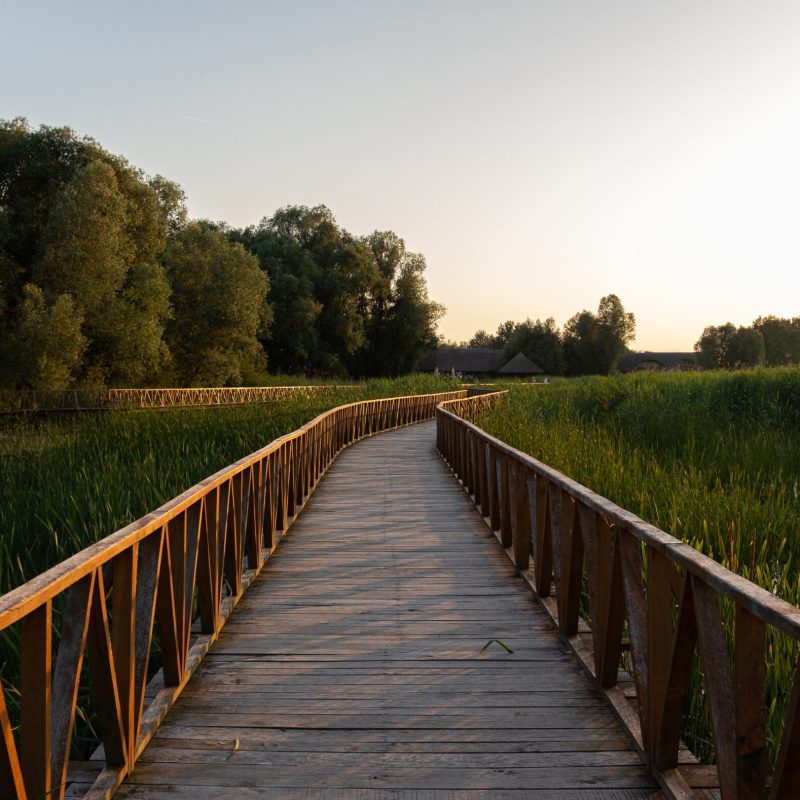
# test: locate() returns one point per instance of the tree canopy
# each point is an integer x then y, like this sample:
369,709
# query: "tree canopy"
105,281
728,347
342,304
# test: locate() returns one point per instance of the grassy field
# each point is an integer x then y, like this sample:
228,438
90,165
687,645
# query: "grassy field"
712,458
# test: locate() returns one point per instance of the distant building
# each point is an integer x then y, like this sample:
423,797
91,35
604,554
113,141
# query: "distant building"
479,362
658,362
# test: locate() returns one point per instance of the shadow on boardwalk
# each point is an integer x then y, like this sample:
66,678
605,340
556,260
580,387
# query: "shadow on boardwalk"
353,666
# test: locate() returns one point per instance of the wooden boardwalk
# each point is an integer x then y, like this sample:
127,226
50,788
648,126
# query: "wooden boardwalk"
352,667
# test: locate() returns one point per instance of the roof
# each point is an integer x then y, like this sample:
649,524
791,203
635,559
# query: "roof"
478,360
463,359
631,361
520,364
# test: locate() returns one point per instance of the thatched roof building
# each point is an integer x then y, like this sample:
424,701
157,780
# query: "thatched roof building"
479,362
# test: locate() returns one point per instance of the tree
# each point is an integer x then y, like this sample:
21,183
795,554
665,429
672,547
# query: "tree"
728,347
781,340
746,348
171,202
132,329
481,339
594,344
541,342
219,307
45,345
79,222
504,332
400,318
342,304
410,329
319,275
713,344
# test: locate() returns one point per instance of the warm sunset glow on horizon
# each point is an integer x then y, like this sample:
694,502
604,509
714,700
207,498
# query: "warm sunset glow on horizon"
540,155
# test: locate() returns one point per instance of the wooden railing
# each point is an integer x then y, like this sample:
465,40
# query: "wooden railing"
103,399
199,551
652,601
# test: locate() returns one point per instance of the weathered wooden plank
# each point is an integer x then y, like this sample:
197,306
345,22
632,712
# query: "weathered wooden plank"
445,740
283,793
166,754
236,775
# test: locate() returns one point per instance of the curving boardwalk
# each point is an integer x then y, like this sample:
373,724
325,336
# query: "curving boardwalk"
352,667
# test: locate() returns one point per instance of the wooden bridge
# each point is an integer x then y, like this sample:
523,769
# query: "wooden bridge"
398,644
70,400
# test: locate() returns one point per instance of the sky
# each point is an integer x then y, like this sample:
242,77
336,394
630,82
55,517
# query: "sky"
539,154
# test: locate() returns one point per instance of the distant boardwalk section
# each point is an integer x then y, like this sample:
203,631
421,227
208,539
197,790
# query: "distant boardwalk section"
103,399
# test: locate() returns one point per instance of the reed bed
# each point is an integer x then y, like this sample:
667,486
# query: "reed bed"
711,458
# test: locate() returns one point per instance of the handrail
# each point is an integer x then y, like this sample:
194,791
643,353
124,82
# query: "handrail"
639,581
40,400
212,539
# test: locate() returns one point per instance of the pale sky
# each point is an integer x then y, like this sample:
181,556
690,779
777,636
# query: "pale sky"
539,154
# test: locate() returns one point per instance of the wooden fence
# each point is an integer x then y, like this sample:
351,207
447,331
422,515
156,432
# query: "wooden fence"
105,399
199,551
645,592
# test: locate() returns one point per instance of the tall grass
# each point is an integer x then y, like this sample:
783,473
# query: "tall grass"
712,458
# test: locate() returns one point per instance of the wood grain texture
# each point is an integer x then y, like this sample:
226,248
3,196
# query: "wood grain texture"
352,667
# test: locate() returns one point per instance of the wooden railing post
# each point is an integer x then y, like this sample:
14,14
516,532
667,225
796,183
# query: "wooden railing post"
659,644
750,676
475,463
521,517
492,469
37,654
481,456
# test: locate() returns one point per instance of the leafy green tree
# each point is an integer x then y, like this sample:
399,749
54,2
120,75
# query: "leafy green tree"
400,317
79,222
728,347
594,343
342,304
85,251
310,265
481,339
713,345
781,340
45,345
504,332
541,342
219,307
746,348
171,202
132,329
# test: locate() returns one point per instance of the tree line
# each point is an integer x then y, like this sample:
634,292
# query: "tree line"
770,341
590,343
594,343
105,281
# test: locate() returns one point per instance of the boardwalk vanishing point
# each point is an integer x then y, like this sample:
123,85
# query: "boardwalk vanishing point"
357,666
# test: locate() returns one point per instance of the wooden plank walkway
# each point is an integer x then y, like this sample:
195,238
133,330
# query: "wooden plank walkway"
352,667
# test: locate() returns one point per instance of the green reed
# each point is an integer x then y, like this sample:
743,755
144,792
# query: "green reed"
711,458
